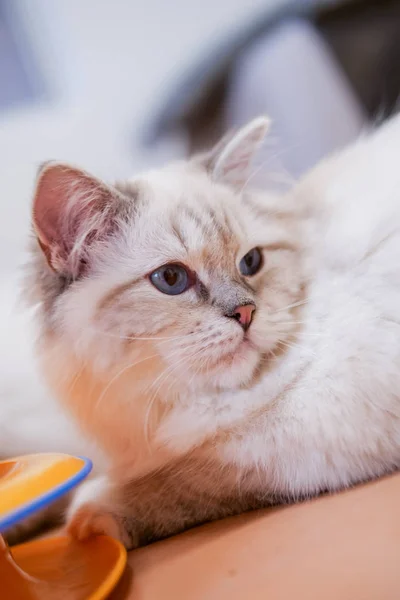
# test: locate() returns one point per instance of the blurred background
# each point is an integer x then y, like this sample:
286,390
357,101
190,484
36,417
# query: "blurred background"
116,86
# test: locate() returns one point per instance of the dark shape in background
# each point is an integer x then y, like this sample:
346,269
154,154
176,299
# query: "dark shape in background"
364,36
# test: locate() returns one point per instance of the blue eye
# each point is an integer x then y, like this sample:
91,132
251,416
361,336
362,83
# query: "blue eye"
251,262
171,279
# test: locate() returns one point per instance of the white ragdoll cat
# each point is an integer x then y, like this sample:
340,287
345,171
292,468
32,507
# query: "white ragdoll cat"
225,348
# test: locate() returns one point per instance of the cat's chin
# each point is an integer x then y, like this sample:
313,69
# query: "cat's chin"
236,369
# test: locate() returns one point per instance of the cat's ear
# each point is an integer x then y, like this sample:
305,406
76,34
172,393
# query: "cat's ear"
71,211
230,160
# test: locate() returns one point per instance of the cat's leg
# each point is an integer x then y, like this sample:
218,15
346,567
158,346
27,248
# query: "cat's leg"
157,505
95,510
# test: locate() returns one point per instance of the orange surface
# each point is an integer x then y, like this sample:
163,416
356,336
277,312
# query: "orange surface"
25,478
76,570
342,547
55,567
58,567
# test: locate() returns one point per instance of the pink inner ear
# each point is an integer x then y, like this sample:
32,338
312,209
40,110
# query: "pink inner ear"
241,156
235,161
66,203
50,201
239,162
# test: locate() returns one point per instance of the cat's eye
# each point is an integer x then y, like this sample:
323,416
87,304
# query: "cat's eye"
251,262
172,279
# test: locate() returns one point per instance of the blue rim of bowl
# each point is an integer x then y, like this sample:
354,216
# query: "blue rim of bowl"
26,510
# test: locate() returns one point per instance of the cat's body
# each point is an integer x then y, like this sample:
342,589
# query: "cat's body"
212,418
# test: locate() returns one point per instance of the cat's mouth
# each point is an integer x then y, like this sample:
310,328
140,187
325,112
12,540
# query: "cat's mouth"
239,354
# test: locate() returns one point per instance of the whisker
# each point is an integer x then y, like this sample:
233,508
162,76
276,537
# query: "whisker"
305,333
296,346
287,322
146,422
161,339
300,303
161,379
177,351
266,161
138,338
118,375
76,378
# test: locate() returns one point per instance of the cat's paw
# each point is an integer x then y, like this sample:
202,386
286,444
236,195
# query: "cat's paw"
92,512
92,519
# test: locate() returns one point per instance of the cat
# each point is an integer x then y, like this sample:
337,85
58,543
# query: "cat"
227,348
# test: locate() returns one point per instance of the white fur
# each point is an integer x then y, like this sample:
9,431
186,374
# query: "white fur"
30,420
339,421
325,412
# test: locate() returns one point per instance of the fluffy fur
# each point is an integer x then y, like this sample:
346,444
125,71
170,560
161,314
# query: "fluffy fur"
198,418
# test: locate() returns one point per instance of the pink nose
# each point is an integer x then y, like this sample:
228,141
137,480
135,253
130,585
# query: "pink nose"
244,315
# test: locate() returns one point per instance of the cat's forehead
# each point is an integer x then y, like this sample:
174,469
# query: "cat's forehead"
182,212
182,193
177,184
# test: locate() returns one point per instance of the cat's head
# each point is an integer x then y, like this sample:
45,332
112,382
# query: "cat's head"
182,268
